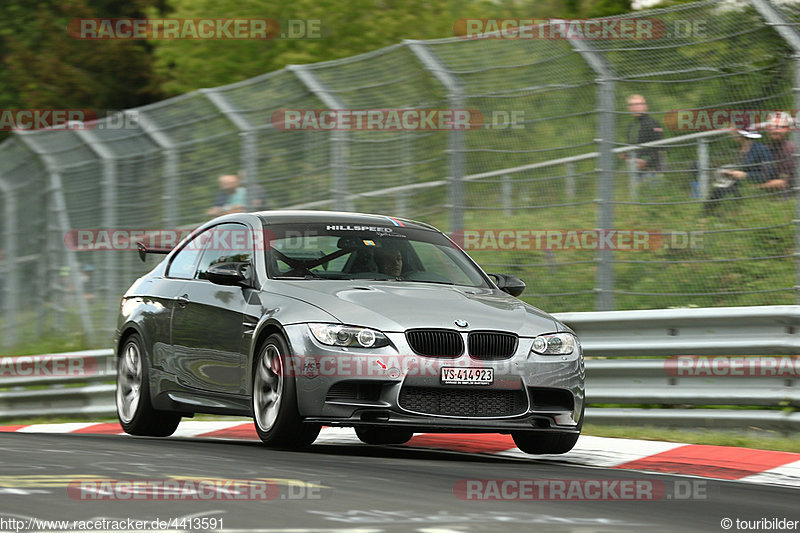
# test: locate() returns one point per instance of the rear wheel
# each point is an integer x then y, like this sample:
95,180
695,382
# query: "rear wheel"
134,409
377,435
277,420
535,442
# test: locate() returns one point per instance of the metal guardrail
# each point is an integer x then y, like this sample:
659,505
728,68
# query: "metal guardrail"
82,383
757,330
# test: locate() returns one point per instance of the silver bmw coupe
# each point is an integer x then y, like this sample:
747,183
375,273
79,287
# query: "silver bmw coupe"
301,319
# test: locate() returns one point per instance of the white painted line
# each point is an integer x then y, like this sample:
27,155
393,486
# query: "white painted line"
56,428
603,451
192,428
788,474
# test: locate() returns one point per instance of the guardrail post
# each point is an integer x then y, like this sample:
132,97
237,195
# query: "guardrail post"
455,100
339,139
606,133
10,283
249,149
786,29
171,162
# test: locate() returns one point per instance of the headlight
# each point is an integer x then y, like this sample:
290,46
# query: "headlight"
554,344
338,335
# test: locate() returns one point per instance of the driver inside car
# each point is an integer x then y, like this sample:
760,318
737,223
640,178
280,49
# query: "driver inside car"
389,261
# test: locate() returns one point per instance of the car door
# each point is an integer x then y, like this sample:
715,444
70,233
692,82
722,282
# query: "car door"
182,267
207,324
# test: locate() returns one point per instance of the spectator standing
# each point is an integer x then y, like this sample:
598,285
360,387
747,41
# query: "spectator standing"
644,129
232,198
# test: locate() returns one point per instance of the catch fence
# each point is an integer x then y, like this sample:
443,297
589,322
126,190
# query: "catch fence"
527,193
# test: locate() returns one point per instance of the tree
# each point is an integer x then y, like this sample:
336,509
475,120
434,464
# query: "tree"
46,68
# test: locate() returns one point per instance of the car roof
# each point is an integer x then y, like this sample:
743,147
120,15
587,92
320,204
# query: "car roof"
339,217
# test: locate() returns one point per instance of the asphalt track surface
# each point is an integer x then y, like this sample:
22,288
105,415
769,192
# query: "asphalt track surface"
353,488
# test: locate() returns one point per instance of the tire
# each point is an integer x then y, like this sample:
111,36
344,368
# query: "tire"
134,409
378,436
535,442
274,399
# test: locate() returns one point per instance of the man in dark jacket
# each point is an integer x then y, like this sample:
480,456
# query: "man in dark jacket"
644,129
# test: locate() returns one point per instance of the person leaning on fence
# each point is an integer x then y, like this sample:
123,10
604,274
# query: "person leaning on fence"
782,152
644,129
231,197
755,165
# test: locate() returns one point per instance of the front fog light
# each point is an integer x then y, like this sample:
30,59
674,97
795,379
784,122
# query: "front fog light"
554,344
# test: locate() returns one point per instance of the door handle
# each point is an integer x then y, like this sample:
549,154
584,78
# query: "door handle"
182,300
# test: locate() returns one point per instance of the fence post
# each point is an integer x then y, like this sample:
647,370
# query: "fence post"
703,168
570,180
786,29
249,149
171,162
339,139
56,192
455,100
401,201
606,133
505,193
633,175
10,278
109,187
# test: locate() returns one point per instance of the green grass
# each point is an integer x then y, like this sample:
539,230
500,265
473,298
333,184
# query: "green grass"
746,247
761,440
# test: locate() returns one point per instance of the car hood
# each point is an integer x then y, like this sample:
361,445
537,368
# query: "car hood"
398,306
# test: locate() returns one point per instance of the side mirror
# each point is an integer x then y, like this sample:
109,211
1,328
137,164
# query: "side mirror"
508,283
227,273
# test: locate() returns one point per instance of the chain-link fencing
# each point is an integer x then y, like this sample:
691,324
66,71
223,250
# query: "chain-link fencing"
559,185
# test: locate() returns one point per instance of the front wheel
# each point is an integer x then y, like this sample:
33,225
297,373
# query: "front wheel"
277,420
534,442
134,409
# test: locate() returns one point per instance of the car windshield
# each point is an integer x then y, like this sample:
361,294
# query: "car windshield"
354,251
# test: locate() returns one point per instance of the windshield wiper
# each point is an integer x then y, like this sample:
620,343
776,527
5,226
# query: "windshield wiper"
303,274
409,280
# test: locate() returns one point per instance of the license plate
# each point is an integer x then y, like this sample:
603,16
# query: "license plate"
467,376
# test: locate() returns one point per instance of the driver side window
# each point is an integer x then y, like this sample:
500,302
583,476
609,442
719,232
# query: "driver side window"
227,243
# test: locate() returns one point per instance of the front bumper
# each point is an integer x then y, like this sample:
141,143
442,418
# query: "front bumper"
320,369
